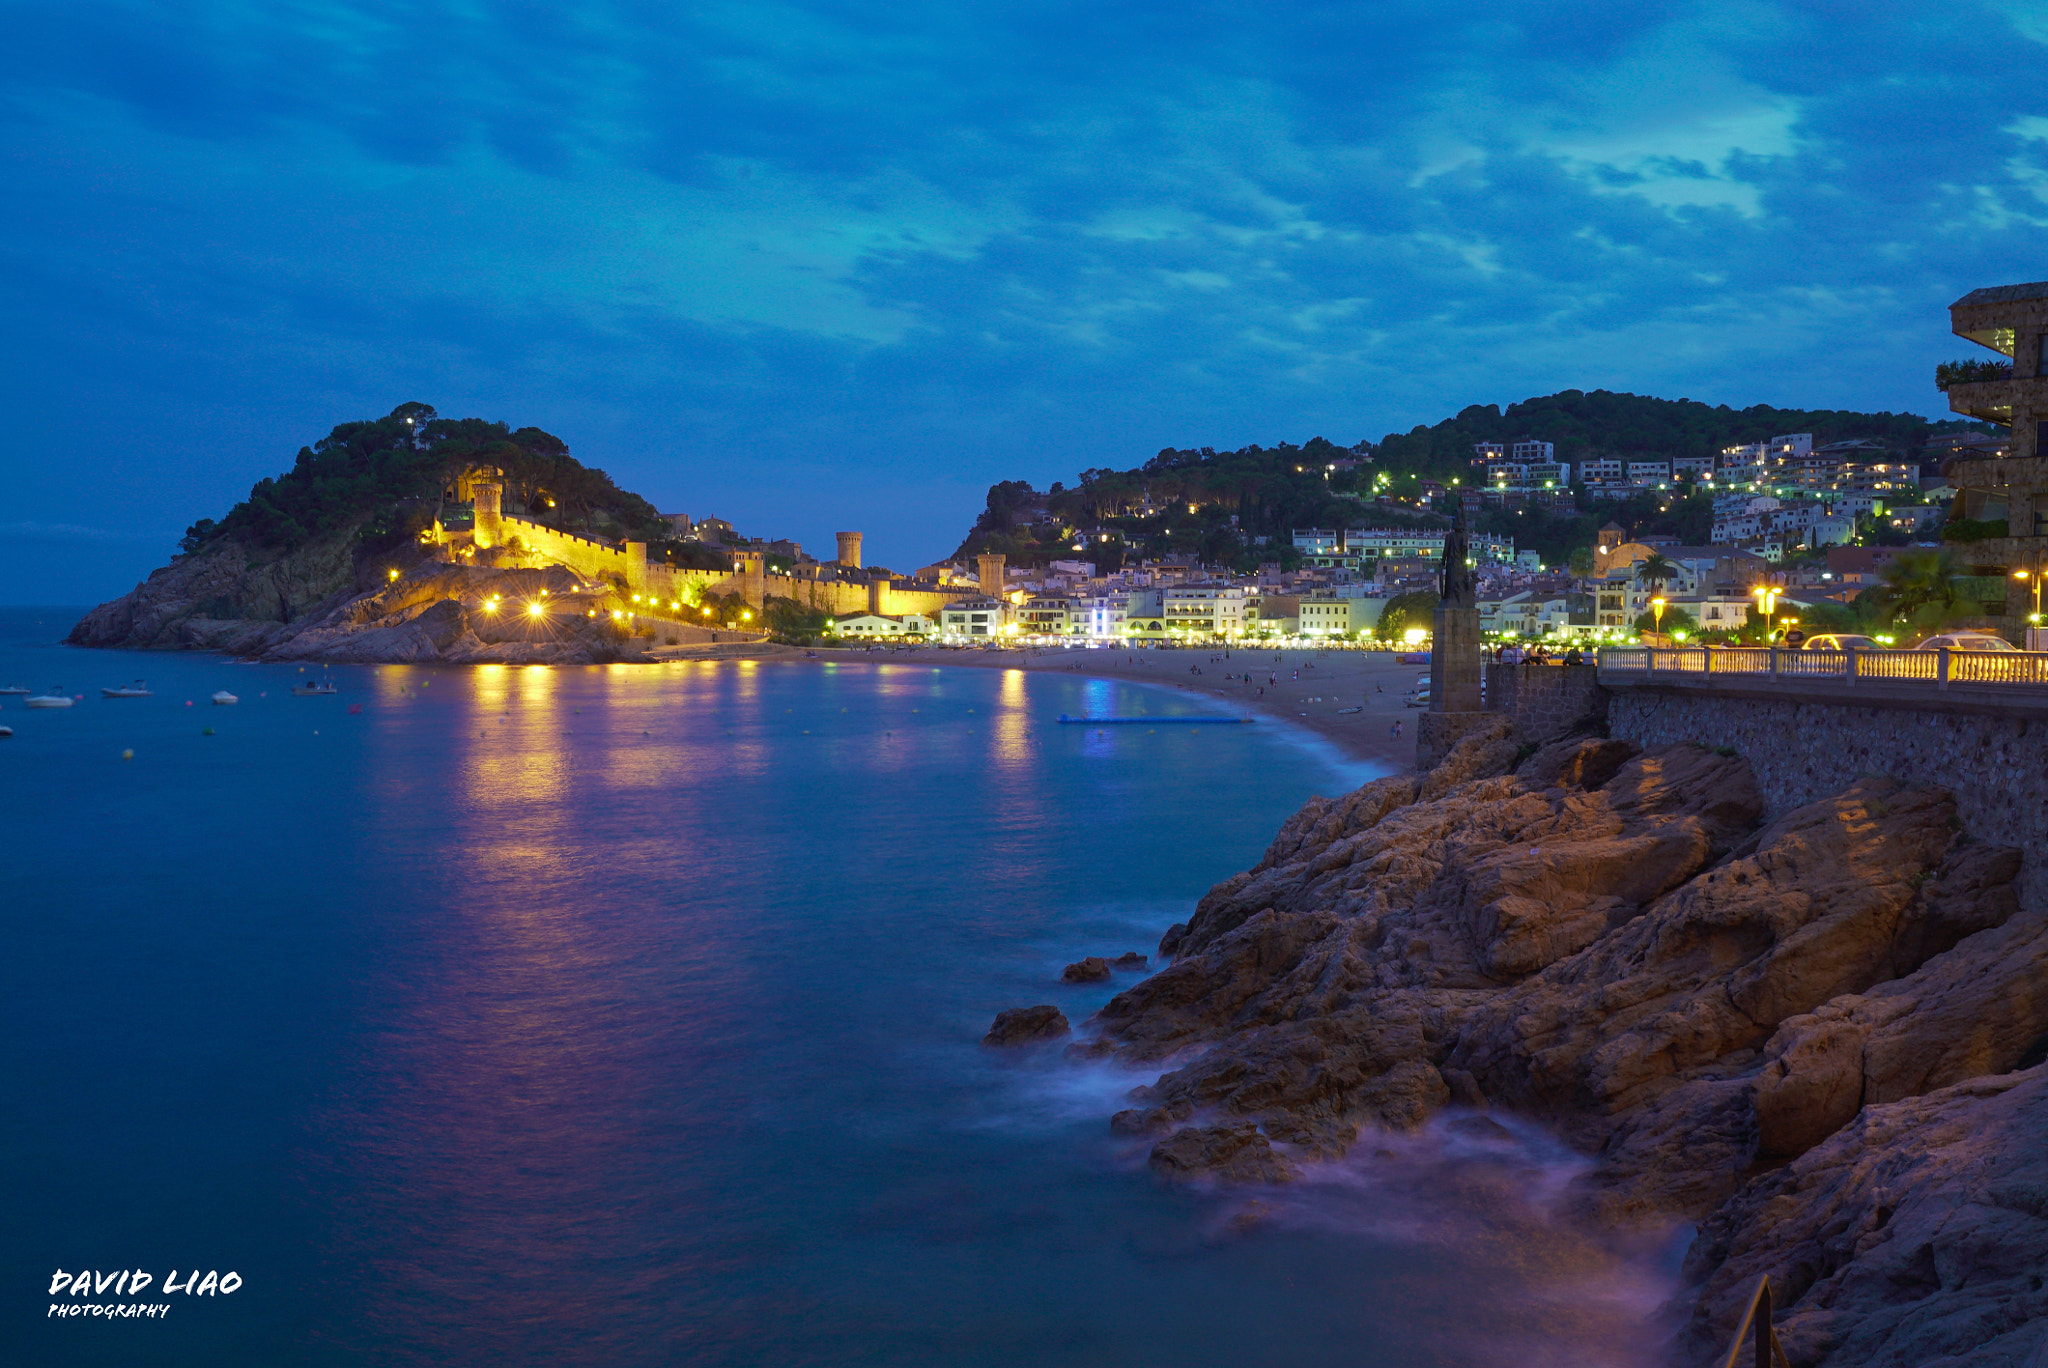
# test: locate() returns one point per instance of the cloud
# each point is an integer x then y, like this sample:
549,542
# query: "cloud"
789,259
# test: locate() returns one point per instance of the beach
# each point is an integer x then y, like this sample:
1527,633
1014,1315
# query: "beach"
1304,686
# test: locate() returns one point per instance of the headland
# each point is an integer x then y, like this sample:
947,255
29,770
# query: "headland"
1798,1015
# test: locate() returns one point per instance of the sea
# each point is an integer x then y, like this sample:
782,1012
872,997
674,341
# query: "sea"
631,1015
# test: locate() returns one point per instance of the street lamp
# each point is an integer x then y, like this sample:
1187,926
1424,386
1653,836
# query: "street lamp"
2035,576
1657,610
1767,598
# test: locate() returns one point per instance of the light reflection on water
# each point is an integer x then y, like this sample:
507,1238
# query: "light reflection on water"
629,1015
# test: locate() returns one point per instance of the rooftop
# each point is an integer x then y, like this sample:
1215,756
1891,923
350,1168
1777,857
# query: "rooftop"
2003,294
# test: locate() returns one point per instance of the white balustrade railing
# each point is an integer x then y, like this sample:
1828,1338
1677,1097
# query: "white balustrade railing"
1940,668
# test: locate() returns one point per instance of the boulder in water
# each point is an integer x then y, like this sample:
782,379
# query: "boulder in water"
1022,1025
1094,969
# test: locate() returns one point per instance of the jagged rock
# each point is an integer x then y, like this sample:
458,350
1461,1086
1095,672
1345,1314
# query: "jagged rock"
1130,961
1237,1153
1978,1004
1607,939
1094,969
1917,1234
1488,749
1022,1025
1582,764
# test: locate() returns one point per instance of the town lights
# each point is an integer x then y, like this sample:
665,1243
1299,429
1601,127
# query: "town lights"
391,574
535,609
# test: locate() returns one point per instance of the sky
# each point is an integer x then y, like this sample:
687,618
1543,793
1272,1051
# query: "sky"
824,266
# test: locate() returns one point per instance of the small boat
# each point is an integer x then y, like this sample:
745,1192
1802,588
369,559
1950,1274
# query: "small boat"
53,699
223,698
15,689
136,690
6,732
314,690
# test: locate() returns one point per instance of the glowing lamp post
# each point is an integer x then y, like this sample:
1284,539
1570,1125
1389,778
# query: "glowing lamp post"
1767,599
1657,606
2035,576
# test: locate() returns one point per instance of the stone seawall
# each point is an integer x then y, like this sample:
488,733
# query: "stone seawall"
1997,767
1546,701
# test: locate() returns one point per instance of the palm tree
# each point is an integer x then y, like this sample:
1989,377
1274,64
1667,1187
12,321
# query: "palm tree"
1915,581
1657,569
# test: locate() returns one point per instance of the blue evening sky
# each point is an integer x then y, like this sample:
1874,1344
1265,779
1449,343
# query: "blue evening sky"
821,265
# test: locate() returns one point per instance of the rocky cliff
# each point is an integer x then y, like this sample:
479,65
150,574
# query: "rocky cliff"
1820,1037
313,605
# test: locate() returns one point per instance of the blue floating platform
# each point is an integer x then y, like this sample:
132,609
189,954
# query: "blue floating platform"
1192,720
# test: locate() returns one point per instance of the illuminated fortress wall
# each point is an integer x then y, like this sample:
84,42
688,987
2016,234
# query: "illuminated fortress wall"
749,578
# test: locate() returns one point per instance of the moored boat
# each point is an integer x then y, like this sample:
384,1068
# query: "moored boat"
55,698
136,690
15,689
314,690
223,698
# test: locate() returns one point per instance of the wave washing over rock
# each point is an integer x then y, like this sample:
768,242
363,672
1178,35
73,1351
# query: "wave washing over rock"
1820,1037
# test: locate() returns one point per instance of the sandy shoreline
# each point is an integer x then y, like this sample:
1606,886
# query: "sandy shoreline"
1298,685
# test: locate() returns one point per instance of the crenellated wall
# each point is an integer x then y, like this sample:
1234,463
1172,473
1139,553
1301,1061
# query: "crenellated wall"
749,578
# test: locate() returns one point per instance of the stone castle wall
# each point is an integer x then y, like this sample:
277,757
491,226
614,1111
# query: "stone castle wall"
597,560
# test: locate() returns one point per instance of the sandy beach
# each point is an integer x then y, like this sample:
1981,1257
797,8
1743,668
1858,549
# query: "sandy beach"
1301,685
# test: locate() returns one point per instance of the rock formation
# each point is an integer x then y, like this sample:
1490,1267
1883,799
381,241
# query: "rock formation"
1022,1025
312,605
1619,942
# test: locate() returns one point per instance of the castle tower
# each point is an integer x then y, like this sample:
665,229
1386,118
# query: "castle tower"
991,574
752,568
878,594
636,566
849,549
489,530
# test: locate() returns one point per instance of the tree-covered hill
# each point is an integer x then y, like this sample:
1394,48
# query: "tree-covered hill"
1602,423
1240,507
389,476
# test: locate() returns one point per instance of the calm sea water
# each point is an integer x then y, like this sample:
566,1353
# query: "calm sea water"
630,1015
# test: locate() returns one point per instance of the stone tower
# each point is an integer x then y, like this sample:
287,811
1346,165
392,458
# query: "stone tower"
489,509
849,549
991,574
752,569
1454,655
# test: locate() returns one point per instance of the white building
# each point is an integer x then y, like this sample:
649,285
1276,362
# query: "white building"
1049,615
1531,453
877,625
1205,610
1602,472
1326,617
974,617
1649,472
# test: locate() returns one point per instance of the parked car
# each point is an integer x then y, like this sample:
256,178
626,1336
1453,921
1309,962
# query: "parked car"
1842,641
1966,641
